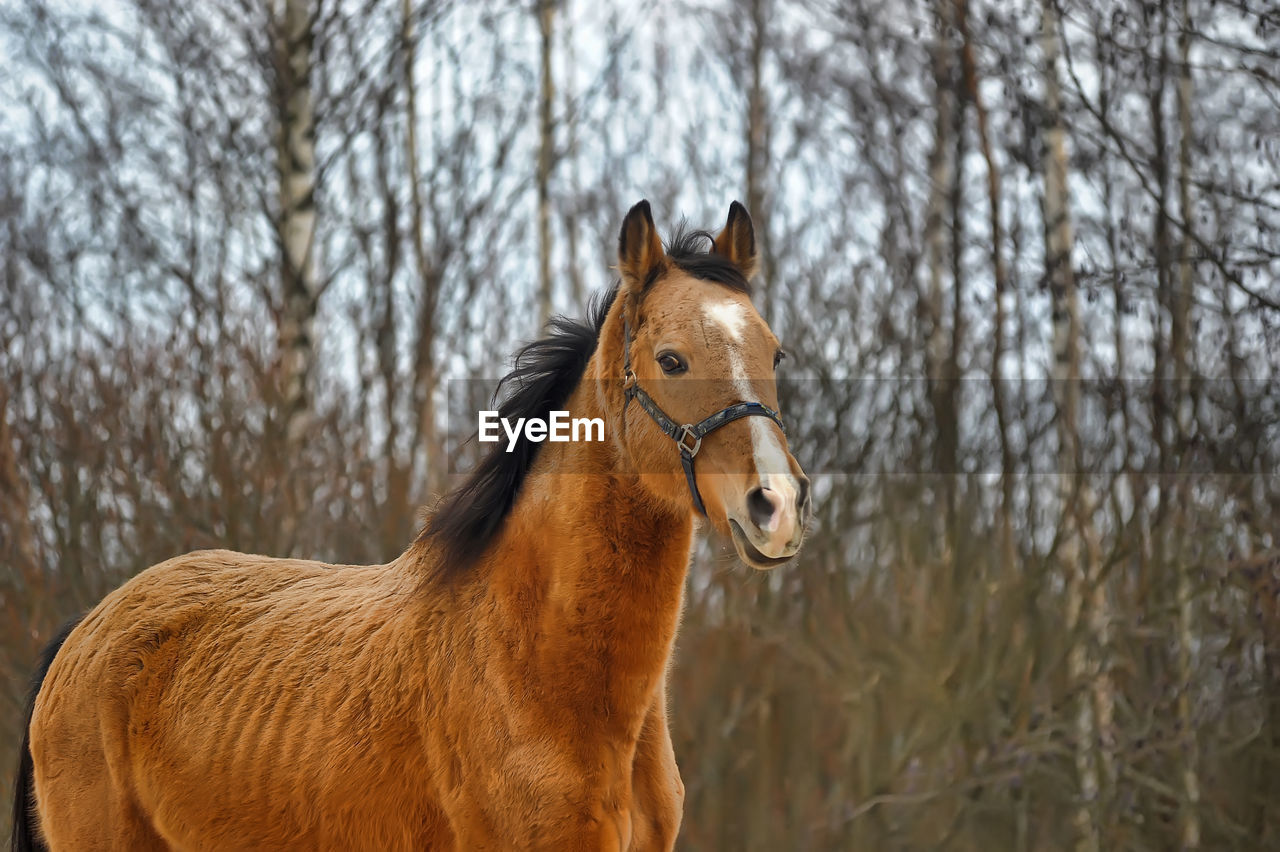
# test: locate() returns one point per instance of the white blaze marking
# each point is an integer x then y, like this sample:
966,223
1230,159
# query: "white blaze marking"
771,461
730,316
770,454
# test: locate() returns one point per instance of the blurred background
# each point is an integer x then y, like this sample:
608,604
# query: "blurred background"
1024,256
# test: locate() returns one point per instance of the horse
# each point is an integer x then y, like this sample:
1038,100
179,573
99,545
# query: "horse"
500,685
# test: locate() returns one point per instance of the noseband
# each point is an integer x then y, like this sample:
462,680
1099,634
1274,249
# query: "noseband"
688,436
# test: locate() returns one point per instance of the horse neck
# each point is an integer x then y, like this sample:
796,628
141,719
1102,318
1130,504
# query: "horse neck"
602,561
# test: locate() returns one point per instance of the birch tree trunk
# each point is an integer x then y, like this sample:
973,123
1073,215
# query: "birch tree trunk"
546,155
1189,820
941,179
572,116
297,215
393,509
426,375
296,227
972,81
1086,605
758,153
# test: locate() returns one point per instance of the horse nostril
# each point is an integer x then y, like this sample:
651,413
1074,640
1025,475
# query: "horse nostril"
802,499
760,507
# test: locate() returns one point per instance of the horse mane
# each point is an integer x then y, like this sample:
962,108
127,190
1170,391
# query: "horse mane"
544,373
685,251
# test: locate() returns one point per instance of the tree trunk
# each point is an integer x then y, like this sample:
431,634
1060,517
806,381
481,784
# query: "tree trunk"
1086,605
297,215
1000,273
296,227
571,116
425,373
1189,818
943,176
23,579
758,154
546,155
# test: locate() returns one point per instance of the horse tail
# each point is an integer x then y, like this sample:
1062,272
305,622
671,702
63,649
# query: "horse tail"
26,837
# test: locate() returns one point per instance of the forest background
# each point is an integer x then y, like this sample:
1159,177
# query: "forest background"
1024,256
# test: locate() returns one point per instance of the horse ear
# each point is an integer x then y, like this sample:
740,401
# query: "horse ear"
737,241
639,248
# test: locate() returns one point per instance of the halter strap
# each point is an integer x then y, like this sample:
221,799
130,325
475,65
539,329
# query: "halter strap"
688,436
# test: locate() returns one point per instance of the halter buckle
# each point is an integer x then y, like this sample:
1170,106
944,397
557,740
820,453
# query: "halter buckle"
628,379
682,437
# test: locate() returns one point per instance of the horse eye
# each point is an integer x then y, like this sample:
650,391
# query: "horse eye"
777,358
671,363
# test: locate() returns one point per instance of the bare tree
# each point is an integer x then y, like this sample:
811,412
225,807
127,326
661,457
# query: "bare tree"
546,10
1086,602
296,163
1189,817
968,654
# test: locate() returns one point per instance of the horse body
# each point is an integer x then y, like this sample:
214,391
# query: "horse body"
222,701
225,701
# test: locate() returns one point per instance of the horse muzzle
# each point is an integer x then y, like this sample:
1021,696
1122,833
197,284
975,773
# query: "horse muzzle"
770,526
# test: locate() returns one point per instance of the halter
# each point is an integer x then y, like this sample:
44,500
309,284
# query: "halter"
688,436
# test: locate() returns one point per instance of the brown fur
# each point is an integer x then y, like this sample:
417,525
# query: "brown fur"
226,701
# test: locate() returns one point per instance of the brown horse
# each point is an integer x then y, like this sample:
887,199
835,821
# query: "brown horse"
501,685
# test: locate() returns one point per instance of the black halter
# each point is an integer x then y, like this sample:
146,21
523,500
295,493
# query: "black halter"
688,437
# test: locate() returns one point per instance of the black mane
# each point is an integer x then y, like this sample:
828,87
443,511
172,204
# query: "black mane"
545,372
686,251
